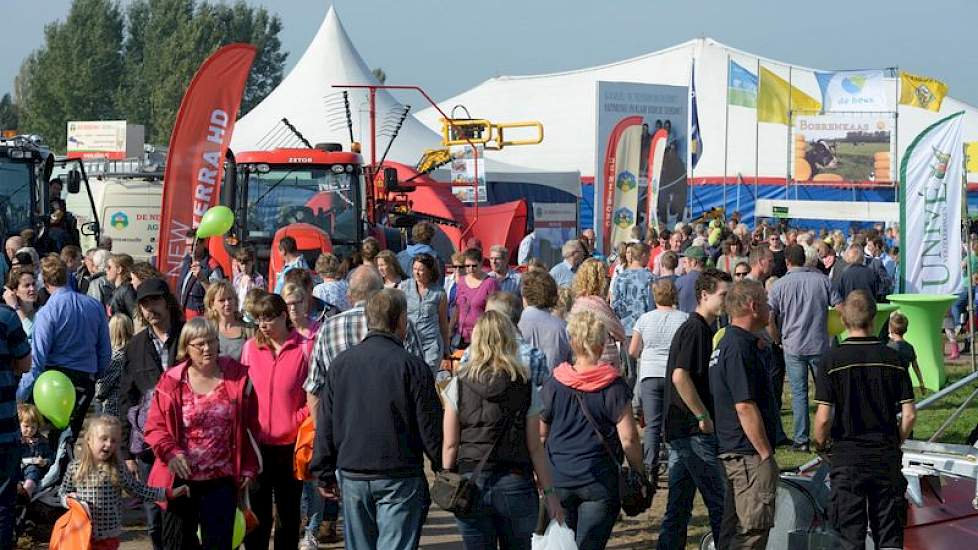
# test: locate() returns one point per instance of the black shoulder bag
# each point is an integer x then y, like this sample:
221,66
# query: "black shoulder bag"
455,493
634,491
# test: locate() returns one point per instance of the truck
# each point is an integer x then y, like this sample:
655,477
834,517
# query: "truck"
26,168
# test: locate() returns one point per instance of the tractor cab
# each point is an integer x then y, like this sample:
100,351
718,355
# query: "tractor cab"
313,195
26,167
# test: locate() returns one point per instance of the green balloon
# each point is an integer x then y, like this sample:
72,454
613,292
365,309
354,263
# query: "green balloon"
216,221
239,530
54,396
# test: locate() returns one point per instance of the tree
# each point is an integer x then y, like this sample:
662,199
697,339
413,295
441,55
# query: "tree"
100,65
73,75
8,113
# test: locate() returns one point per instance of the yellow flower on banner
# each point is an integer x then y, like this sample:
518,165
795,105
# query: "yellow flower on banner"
772,99
920,91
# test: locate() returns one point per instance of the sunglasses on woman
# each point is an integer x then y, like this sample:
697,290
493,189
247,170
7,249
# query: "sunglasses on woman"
741,273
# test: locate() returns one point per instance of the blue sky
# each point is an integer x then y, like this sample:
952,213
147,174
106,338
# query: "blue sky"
449,46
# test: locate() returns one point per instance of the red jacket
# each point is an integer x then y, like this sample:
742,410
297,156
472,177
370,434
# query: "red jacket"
164,424
278,383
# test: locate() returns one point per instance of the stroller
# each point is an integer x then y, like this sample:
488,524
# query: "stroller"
37,513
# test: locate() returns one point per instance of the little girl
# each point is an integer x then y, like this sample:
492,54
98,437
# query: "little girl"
36,452
107,387
96,479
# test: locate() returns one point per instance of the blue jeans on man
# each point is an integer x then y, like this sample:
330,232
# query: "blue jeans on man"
798,367
506,514
384,513
693,465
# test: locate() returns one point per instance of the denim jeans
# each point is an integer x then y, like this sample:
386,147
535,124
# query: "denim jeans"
9,477
693,465
653,390
506,515
798,367
959,308
591,511
384,513
316,508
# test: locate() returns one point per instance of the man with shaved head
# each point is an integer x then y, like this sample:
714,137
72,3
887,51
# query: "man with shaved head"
858,276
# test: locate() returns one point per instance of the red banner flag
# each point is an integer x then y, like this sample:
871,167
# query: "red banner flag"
200,139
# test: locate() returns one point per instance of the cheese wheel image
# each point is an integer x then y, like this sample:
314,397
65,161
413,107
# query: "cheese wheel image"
828,177
881,155
803,171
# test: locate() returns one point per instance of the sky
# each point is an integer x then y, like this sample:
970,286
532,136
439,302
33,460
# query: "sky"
447,46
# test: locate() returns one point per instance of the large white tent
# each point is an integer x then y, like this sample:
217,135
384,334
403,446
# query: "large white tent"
565,103
306,97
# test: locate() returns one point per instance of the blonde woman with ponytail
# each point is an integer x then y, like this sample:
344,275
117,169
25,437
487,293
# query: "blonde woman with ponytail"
493,410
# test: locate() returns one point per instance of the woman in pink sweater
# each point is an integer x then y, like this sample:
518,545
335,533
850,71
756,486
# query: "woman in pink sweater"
277,364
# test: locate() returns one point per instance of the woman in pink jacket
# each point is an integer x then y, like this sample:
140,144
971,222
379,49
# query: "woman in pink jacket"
200,425
277,364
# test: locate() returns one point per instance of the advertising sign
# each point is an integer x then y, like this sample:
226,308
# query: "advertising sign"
109,139
648,107
554,224
851,147
466,171
853,91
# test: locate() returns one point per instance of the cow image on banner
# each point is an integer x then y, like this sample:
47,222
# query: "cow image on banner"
930,209
198,144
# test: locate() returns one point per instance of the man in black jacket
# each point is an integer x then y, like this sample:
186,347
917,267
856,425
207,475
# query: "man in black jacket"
150,352
378,415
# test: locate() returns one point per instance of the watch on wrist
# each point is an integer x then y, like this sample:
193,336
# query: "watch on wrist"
702,417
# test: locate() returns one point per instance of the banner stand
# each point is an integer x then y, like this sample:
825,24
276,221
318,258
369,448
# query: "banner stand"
967,258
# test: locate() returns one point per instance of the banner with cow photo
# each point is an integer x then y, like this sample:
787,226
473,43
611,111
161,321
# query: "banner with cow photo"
843,147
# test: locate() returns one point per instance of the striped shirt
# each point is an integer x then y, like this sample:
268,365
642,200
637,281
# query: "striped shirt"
104,499
13,345
340,333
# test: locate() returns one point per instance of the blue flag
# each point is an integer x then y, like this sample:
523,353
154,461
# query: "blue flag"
695,139
741,86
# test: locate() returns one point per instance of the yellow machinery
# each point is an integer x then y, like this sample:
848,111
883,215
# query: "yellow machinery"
479,131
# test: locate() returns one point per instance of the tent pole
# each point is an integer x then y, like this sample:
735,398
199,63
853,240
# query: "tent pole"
787,131
757,138
967,256
726,136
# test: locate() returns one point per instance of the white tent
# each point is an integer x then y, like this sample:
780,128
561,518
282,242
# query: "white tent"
565,103
306,98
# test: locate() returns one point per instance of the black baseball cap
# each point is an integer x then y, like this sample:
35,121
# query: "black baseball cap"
152,288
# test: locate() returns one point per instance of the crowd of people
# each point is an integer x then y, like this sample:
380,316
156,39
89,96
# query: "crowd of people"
536,384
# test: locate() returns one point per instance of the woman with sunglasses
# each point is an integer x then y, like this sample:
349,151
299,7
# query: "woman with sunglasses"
741,271
277,365
472,291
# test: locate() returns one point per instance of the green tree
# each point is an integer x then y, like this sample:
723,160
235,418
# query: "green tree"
8,113
73,75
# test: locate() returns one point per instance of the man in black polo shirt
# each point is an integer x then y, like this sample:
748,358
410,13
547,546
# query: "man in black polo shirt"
860,387
687,425
743,403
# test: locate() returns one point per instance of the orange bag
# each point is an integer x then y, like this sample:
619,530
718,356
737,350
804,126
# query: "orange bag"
73,530
303,450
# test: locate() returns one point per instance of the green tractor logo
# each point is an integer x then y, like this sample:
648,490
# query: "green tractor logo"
626,181
941,161
624,218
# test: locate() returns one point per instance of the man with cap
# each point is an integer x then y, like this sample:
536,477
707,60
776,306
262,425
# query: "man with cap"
686,284
148,354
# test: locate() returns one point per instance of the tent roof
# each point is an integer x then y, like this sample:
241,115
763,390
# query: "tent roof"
565,103
306,98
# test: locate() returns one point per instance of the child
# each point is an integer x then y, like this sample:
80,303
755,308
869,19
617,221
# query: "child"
898,327
107,387
36,455
249,301
96,478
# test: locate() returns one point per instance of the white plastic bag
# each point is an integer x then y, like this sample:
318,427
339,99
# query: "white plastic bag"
556,537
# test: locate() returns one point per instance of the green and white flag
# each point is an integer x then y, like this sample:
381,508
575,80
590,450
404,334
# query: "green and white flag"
930,209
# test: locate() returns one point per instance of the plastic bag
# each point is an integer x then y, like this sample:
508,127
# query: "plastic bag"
556,537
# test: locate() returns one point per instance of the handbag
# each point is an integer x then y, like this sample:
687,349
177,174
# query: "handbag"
634,491
455,493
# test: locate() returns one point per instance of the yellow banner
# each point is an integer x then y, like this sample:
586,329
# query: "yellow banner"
920,91
971,154
773,103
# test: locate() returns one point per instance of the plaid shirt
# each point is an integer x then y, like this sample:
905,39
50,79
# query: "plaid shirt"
105,499
340,333
13,345
510,282
534,359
